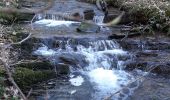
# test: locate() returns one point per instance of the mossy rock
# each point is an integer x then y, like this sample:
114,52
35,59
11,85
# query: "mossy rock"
26,77
2,72
2,90
88,28
36,65
27,48
9,18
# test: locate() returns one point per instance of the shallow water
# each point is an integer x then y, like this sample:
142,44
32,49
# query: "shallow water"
103,70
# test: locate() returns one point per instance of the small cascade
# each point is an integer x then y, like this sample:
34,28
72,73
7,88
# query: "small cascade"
98,19
101,64
52,16
39,16
53,20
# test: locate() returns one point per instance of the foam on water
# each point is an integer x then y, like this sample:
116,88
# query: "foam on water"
44,51
53,23
77,81
105,76
108,81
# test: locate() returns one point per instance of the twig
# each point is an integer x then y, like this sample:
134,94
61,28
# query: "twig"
29,93
25,62
22,40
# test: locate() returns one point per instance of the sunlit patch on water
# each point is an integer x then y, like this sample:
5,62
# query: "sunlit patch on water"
108,81
53,23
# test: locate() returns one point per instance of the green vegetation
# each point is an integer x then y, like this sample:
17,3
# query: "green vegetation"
155,13
39,65
26,77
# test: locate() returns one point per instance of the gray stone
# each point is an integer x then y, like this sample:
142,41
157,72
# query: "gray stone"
62,69
88,28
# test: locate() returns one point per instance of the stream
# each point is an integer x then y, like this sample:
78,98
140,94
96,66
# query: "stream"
91,66
96,72
96,65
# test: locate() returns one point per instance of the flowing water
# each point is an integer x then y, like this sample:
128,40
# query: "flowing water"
96,68
102,68
41,16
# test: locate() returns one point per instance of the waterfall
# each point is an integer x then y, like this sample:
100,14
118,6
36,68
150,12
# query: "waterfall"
98,19
54,16
103,66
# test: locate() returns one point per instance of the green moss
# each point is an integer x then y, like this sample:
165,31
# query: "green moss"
2,90
41,65
26,77
2,72
9,18
167,12
6,18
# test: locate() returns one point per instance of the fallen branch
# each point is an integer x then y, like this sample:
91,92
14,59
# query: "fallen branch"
25,62
22,40
10,78
29,93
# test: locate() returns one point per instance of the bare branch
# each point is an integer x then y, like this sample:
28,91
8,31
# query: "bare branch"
10,78
22,40
29,93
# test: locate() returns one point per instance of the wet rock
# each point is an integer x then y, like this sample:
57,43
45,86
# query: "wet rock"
152,88
146,54
112,14
35,65
129,44
163,69
62,68
136,65
88,28
146,43
123,35
72,59
89,14
28,47
151,60
77,16
67,59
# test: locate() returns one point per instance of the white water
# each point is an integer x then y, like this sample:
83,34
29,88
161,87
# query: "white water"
77,81
52,16
44,51
104,77
108,81
98,19
53,23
